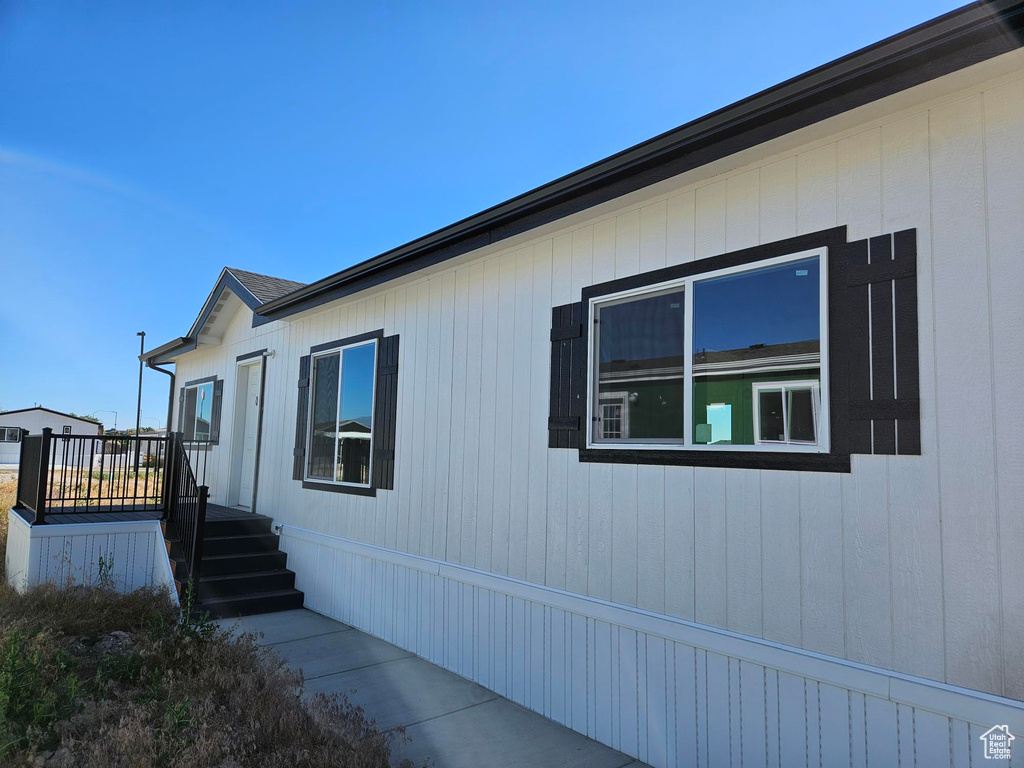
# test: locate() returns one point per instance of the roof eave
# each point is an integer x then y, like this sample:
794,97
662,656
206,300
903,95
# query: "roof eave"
167,352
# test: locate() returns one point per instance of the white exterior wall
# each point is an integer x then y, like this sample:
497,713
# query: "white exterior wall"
34,421
69,554
908,563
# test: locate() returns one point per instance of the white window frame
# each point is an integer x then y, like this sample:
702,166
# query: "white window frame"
595,303
783,387
195,416
616,398
7,431
339,351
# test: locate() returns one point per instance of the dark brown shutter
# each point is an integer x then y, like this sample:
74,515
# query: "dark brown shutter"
384,421
874,345
215,409
301,420
568,376
181,410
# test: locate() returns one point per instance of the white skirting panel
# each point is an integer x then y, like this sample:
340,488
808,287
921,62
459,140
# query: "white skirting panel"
666,691
65,554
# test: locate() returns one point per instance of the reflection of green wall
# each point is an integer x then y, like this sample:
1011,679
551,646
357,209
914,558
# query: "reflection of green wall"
658,411
738,392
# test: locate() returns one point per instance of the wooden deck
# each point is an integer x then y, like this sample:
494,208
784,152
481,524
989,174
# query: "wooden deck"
124,514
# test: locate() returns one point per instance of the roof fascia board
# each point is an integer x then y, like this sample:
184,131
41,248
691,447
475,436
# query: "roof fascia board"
166,353
944,45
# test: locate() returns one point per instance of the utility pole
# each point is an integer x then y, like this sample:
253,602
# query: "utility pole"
138,407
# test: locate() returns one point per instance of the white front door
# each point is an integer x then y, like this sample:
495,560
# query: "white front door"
249,429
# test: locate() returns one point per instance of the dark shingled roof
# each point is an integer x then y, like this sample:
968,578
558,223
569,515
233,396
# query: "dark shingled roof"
264,287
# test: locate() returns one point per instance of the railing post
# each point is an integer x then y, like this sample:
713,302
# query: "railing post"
197,547
44,460
170,462
21,469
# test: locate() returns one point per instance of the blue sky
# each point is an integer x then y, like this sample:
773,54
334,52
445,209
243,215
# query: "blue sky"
142,149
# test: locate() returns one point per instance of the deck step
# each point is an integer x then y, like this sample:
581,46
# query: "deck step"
238,584
247,605
243,570
237,526
247,543
242,562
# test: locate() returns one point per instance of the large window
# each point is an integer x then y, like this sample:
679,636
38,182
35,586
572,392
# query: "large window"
10,434
341,415
198,412
731,359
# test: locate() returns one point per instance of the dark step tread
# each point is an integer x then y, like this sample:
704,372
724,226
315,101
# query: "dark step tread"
248,605
237,557
209,601
238,515
250,536
244,575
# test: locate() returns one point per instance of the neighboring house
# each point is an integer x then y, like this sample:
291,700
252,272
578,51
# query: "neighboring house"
710,451
34,420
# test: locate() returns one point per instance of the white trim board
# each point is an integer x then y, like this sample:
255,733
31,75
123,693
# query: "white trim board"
901,689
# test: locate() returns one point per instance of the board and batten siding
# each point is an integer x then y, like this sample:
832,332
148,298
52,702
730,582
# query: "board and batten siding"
908,563
133,553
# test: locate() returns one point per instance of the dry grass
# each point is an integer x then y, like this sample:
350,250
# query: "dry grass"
92,488
8,491
91,678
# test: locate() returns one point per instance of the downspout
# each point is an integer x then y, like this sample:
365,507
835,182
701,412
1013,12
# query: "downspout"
170,394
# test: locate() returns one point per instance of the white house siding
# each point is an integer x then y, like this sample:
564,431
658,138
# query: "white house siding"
663,690
912,564
34,421
134,553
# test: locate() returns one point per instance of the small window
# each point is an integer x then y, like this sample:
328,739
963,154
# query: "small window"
341,415
786,412
731,359
198,412
10,434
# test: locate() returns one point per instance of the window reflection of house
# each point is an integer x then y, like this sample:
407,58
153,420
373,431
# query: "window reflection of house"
728,382
644,398
353,438
354,451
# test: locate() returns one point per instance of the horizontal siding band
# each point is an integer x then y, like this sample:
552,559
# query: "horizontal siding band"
940,698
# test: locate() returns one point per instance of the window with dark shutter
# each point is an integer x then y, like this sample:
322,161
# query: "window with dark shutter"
199,410
385,416
735,361
568,376
215,410
301,419
875,326
346,415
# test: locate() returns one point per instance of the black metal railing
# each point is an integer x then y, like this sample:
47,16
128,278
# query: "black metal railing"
32,473
185,504
64,475
88,474
198,453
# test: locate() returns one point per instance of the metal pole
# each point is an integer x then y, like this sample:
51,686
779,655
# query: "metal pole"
138,407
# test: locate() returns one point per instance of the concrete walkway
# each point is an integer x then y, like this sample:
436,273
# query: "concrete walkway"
450,720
